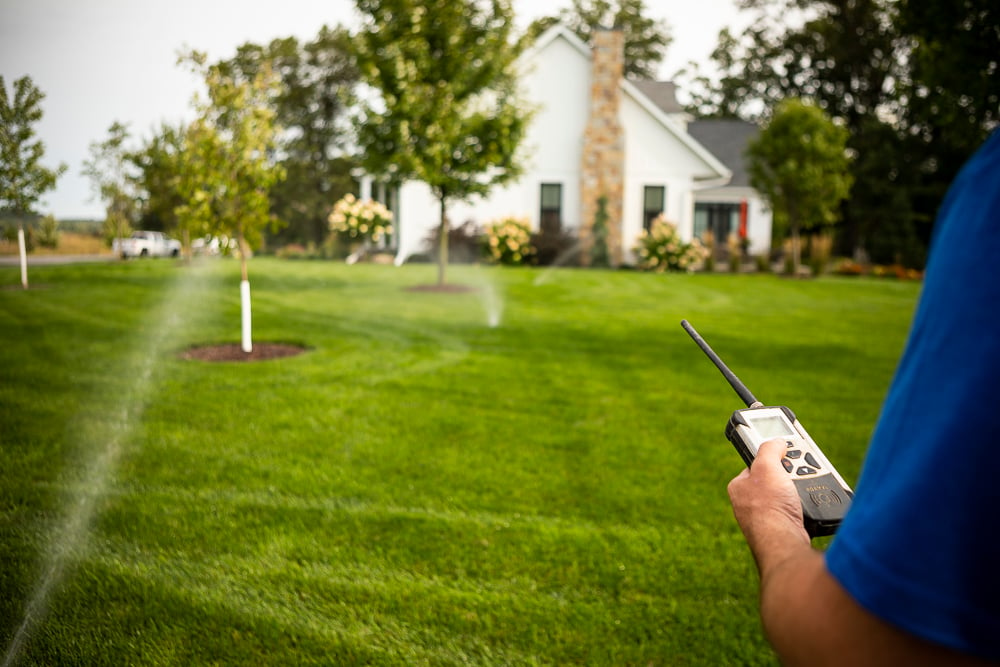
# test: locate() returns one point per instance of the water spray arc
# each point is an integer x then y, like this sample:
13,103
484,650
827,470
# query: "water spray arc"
100,451
564,258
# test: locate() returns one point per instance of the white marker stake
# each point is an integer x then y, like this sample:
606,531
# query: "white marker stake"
245,310
24,257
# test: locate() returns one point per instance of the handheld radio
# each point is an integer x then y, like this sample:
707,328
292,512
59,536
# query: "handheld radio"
824,494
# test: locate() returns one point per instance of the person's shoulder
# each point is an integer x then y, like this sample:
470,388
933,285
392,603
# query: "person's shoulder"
986,160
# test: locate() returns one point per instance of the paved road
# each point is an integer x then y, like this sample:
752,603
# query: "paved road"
41,260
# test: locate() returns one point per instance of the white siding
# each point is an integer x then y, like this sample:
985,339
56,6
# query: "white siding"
557,89
552,152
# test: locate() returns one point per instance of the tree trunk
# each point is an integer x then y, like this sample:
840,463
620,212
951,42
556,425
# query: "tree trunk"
246,339
244,275
23,254
793,226
796,250
443,241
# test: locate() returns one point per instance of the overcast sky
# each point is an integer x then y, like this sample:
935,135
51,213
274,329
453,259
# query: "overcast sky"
98,61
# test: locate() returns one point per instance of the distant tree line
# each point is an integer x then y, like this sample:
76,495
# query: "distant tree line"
311,94
915,82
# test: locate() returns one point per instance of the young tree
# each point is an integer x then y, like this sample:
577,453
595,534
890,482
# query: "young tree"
800,163
108,170
448,114
23,179
228,167
313,108
646,39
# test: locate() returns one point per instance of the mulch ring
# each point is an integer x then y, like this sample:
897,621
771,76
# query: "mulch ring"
234,352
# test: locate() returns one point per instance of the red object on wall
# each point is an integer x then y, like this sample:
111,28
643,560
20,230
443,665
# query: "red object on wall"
743,219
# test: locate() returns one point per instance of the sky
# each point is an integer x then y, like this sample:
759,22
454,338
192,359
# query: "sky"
101,61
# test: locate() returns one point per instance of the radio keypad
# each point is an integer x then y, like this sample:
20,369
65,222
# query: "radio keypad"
797,462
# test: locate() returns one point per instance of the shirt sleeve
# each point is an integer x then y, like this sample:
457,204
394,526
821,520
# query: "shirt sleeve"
919,547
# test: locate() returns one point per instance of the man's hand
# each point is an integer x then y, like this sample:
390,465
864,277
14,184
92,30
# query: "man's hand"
798,597
767,507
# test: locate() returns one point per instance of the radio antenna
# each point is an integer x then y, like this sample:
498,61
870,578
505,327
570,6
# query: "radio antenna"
734,382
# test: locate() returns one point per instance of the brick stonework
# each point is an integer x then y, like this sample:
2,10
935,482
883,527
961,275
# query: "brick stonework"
603,168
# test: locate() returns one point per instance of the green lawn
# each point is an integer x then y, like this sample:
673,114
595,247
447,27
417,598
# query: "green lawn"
419,487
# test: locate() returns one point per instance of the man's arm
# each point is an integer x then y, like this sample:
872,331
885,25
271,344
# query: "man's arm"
808,618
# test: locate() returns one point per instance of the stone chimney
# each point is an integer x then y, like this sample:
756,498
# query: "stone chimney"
603,168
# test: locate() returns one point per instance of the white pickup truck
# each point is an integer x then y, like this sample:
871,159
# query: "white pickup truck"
147,244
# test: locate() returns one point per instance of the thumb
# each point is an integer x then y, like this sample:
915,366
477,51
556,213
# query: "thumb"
769,455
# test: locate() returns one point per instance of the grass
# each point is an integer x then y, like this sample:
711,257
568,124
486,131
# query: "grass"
419,487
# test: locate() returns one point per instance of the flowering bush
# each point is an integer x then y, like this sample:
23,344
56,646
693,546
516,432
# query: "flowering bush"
362,220
508,241
661,248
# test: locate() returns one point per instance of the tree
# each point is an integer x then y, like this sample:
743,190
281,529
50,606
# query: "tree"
313,106
849,57
953,91
646,39
913,81
159,168
23,179
447,113
799,162
108,170
227,166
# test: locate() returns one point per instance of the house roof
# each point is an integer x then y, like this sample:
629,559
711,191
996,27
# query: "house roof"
662,92
728,141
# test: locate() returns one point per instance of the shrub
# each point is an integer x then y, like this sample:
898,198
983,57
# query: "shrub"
896,271
734,246
48,232
820,251
10,235
298,251
363,220
599,254
556,248
661,248
848,267
708,243
464,244
508,241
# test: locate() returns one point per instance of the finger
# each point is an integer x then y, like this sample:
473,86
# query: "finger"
771,451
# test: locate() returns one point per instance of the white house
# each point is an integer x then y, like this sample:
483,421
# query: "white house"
594,134
735,208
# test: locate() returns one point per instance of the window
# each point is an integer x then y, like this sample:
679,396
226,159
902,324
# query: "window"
722,219
550,214
653,198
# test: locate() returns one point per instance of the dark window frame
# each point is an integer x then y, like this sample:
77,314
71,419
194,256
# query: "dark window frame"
550,208
650,213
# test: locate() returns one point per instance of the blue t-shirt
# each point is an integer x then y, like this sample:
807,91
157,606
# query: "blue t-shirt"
920,547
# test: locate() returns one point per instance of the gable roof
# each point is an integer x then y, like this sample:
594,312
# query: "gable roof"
727,140
719,173
662,91
549,36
